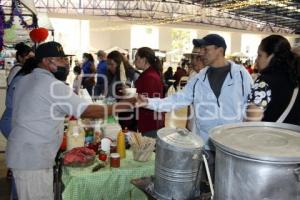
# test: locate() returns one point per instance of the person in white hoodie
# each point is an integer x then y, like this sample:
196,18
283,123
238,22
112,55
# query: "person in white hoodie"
219,93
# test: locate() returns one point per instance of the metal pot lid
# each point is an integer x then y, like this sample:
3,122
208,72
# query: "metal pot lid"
276,142
180,137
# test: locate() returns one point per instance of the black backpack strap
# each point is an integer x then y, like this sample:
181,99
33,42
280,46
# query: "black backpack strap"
194,87
242,77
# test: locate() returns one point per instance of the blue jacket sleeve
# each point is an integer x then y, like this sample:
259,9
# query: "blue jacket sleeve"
6,119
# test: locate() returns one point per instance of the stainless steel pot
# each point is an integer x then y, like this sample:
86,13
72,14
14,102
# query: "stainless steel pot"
257,161
178,164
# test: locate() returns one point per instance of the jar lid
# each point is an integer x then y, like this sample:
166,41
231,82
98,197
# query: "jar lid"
276,142
179,137
113,144
115,155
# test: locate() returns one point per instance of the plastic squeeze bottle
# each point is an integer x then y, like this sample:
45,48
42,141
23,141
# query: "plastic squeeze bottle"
121,144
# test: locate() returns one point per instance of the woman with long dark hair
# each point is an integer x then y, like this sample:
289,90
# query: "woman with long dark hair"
23,53
168,75
120,74
22,66
6,119
275,96
25,64
150,83
5,122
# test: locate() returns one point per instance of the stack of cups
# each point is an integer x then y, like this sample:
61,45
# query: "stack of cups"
130,92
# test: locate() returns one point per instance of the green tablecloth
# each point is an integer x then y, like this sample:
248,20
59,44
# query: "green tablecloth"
107,183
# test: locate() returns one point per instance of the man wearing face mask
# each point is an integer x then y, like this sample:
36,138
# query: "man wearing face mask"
62,71
40,104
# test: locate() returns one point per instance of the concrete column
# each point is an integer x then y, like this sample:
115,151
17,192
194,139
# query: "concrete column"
236,42
165,38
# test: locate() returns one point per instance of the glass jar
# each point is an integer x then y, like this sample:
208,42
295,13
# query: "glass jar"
113,147
115,160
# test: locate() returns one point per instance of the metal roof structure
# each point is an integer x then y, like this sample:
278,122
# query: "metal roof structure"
279,16
281,13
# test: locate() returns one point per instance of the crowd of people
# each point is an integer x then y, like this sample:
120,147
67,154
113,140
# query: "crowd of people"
217,92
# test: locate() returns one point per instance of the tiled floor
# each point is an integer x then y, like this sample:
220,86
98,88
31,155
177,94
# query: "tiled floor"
174,119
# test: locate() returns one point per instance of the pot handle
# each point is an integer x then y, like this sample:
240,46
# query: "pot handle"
208,177
183,131
297,173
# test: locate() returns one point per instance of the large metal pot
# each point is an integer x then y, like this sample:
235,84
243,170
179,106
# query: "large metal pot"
256,161
178,164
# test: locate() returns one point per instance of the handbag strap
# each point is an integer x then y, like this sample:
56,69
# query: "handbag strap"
288,109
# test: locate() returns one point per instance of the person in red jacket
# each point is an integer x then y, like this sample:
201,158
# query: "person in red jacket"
150,84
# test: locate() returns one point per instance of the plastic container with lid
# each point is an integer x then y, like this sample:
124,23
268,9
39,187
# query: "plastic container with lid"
105,145
115,160
113,147
75,135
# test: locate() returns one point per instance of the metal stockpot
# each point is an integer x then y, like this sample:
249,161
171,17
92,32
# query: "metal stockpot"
178,164
256,161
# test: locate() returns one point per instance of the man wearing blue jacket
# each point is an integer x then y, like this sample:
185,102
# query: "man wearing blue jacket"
218,92
101,73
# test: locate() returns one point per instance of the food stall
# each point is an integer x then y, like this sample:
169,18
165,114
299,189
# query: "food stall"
88,170
107,183
86,175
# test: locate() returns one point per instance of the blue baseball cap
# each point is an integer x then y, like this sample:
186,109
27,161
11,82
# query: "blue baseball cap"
210,39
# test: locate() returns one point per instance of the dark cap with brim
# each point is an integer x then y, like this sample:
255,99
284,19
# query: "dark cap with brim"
198,43
49,49
211,39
